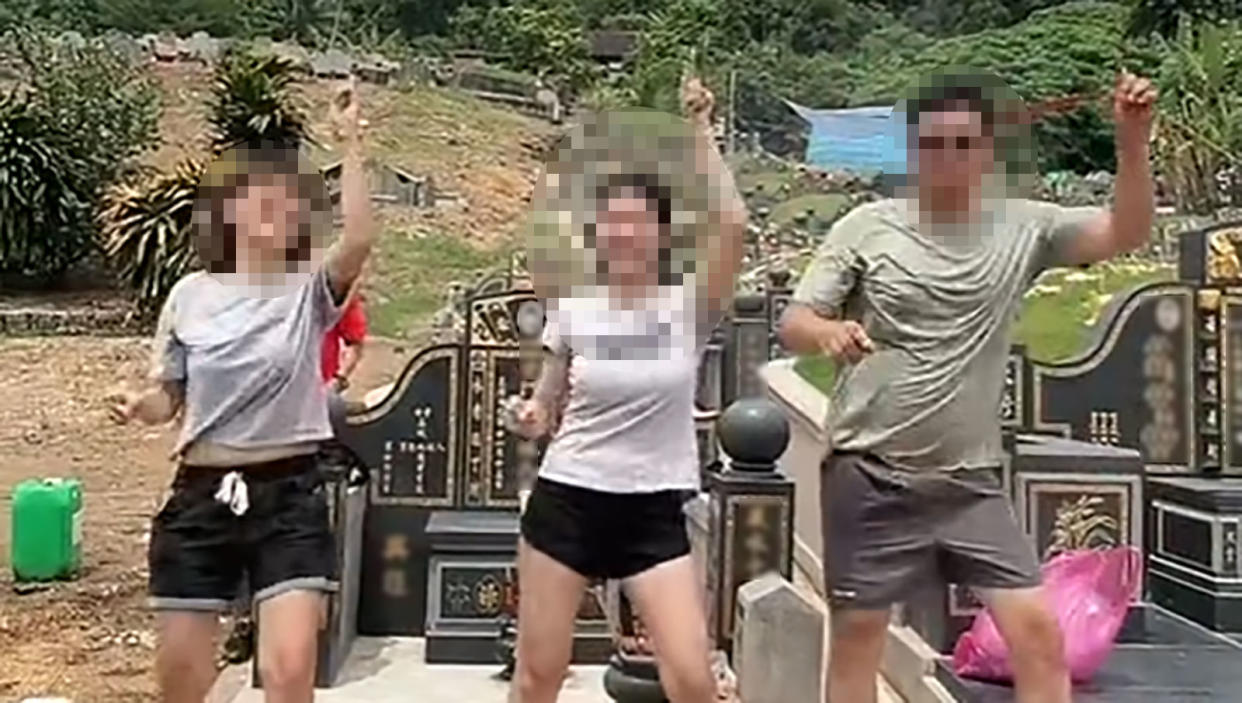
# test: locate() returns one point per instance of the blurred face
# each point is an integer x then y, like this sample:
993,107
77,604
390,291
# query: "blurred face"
266,212
628,239
954,153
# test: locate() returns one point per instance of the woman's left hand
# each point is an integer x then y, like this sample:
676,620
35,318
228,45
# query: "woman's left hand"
346,112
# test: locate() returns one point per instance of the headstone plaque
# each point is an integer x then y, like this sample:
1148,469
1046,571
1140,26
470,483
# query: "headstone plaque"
1100,398
411,441
1231,379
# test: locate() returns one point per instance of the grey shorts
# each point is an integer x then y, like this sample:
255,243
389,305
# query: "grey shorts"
888,533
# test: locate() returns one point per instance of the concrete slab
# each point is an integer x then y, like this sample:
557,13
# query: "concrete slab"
393,670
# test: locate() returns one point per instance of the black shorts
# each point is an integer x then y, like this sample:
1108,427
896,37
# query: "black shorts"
200,550
605,535
887,532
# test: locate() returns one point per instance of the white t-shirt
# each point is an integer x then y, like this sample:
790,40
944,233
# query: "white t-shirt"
628,425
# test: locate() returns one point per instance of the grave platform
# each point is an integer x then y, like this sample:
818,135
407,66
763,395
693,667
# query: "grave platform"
1159,657
394,670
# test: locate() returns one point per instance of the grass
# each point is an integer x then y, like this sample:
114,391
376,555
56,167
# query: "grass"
824,205
1057,315
410,277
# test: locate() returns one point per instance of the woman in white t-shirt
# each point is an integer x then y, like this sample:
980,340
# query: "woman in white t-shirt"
617,395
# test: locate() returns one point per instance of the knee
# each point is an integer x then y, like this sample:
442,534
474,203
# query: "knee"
536,680
857,634
288,667
1038,642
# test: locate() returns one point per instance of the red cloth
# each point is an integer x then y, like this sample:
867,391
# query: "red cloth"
350,329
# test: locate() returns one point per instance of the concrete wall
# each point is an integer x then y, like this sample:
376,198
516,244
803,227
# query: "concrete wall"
807,410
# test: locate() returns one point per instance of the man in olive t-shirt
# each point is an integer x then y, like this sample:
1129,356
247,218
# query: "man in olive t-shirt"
915,297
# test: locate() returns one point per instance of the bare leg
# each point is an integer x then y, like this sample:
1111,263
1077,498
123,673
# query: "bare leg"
854,655
1036,647
668,600
547,607
185,667
288,645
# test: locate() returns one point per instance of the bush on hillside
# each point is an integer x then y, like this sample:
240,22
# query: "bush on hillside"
75,118
146,232
44,204
254,98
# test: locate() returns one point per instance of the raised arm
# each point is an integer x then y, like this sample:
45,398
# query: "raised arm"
726,210
347,257
1127,226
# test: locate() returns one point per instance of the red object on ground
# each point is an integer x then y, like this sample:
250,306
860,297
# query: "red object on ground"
350,329
1089,592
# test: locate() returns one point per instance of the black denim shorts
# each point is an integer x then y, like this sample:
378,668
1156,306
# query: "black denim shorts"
605,535
200,549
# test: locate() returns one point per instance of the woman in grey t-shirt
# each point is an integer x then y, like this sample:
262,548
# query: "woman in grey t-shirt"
617,396
237,356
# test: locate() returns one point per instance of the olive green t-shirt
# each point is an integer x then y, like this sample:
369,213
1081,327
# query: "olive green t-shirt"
938,303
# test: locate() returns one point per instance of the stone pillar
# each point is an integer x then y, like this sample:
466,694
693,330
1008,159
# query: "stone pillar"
751,509
747,348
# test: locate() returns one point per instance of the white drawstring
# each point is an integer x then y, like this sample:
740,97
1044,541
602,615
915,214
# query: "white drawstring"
233,493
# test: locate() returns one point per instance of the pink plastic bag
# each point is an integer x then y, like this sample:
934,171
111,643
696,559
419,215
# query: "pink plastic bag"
1089,591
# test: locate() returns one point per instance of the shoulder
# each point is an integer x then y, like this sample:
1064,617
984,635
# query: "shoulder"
191,286
858,222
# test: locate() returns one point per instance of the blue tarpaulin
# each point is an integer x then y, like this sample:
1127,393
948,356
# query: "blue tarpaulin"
862,139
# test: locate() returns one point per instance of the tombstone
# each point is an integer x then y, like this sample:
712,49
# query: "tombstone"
333,63
778,646
203,48
166,48
126,46
441,529
293,53
73,41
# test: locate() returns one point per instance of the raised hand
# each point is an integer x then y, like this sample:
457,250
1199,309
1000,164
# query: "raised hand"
697,101
1134,100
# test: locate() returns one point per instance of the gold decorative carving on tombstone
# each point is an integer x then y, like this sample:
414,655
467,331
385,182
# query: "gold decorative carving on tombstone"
1078,526
1104,427
488,596
1209,300
1222,256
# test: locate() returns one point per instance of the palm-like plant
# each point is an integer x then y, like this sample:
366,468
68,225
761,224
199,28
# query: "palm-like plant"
253,99
44,205
146,231
146,223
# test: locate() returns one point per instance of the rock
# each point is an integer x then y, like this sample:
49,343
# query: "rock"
778,651
201,47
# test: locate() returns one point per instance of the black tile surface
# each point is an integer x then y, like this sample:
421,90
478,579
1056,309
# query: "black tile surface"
1158,658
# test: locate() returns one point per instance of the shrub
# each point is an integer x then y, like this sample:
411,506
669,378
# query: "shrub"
146,231
44,206
75,117
254,98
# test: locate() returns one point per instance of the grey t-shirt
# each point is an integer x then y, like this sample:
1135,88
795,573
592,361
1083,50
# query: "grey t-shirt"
938,306
250,365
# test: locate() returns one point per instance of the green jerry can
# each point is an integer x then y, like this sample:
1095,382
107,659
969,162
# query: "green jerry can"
47,529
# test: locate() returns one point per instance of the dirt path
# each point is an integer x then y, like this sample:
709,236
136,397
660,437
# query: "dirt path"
91,641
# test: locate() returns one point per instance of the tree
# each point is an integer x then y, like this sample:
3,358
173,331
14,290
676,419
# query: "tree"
542,37
1164,17
1199,123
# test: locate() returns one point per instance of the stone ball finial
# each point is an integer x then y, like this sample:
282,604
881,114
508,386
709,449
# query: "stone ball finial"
754,433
